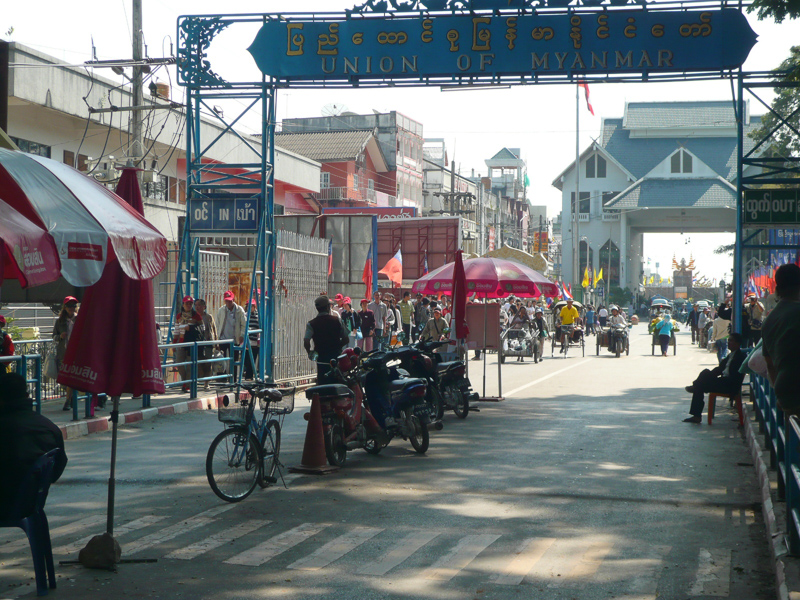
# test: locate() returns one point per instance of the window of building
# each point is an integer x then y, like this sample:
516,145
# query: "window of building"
157,190
32,147
681,162
69,159
585,203
370,184
355,181
324,180
595,167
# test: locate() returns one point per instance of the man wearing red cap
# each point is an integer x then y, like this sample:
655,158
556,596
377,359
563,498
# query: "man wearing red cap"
339,307
231,322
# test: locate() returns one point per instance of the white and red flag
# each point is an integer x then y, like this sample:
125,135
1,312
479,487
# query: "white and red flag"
585,86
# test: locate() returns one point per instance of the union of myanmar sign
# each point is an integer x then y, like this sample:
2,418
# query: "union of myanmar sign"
490,46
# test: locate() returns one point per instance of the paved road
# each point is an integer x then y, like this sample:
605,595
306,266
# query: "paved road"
583,484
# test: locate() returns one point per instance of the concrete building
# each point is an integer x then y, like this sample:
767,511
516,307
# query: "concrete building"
661,167
400,139
507,172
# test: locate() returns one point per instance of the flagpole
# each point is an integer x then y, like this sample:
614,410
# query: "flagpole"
576,206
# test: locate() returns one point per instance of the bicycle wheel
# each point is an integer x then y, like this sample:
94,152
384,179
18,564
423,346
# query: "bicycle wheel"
233,464
270,452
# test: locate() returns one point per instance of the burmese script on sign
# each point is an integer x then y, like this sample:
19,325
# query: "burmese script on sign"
621,41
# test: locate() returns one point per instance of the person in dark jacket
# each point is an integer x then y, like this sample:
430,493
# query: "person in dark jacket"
367,318
24,437
329,336
351,320
692,319
724,379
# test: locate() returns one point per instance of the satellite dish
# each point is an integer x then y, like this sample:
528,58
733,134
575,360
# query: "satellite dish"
333,109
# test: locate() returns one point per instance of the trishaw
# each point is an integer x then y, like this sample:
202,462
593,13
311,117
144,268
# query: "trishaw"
657,343
575,333
517,341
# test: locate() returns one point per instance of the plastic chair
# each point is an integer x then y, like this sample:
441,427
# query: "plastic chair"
735,398
27,513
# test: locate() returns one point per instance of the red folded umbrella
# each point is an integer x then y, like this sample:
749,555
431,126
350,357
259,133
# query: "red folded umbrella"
460,297
113,348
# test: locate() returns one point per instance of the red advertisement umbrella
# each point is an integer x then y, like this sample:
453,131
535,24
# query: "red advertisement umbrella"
27,252
113,348
489,278
88,224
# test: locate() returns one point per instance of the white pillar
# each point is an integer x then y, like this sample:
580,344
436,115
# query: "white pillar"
623,250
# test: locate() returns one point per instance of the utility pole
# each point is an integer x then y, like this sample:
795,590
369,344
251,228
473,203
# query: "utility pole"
576,244
136,148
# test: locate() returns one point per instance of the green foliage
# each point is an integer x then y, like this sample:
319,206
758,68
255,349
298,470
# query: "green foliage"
620,296
785,141
12,330
776,9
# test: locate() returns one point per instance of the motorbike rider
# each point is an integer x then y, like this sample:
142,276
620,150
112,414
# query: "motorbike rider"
616,318
329,336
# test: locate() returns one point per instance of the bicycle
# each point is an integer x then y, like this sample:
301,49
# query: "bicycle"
246,453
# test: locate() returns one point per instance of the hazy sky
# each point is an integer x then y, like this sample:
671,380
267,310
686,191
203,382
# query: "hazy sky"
475,124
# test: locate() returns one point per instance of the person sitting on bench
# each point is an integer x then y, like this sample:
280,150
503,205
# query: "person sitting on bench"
724,379
24,437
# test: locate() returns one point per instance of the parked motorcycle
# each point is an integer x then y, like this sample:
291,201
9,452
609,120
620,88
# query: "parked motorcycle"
452,381
397,402
347,423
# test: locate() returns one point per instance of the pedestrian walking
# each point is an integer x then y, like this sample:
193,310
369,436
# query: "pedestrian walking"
189,328
406,317
209,334
62,330
590,317
421,315
352,322
664,329
232,322
693,319
781,332
602,315
381,312
329,336
367,318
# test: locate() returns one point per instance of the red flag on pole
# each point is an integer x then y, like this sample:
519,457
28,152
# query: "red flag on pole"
394,269
585,87
366,277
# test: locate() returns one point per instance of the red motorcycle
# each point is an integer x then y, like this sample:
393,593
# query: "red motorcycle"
346,420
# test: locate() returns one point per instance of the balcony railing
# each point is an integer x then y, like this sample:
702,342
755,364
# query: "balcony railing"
360,195
608,216
583,217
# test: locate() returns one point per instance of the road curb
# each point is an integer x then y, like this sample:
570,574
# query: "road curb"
775,536
71,431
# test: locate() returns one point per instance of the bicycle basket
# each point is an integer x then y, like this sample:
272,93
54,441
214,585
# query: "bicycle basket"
231,410
278,407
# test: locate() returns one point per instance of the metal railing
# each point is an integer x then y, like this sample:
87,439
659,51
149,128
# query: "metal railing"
782,443
43,348
30,367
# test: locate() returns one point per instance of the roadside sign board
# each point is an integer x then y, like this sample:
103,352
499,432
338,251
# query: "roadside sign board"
771,207
228,214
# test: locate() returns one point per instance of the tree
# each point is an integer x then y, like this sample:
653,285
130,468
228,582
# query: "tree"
619,296
776,9
785,141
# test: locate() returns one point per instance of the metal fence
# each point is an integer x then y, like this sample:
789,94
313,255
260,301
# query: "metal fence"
32,317
44,348
781,438
301,273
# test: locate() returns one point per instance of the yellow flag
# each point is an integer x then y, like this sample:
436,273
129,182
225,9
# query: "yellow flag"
585,282
599,276
652,279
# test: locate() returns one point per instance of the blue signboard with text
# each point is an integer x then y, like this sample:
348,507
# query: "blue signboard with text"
418,46
228,214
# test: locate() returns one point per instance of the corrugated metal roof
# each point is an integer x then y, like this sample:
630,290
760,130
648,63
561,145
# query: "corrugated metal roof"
641,155
718,113
326,145
676,193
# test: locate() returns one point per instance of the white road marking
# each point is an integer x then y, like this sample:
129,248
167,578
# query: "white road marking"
276,545
713,573
530,552
335,549
399,553
590,562
218,539
77,526
546,377
459,557
119,531
640,574
165,535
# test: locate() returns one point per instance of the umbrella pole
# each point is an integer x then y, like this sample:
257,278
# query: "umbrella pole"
111,477
485,321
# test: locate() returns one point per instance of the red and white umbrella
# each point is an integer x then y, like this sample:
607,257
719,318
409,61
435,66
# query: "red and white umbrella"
489,278
89,225
27,252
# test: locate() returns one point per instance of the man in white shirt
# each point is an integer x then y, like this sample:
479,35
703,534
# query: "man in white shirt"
232,323
602,316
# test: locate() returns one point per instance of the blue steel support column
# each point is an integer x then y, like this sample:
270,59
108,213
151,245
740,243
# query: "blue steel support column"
270,248
738,291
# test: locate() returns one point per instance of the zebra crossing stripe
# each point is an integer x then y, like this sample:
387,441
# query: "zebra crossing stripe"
401,552
276,545
459,557
335,549
77,526
530,552
218,539
713,573
199,520
590,562
640,575
119,531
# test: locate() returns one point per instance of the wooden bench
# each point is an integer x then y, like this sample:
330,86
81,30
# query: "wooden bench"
736,399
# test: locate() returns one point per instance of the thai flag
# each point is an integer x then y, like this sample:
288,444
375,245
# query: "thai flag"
565,295
425,264
330,257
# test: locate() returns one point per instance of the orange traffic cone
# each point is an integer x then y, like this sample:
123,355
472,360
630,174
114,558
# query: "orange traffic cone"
314,461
